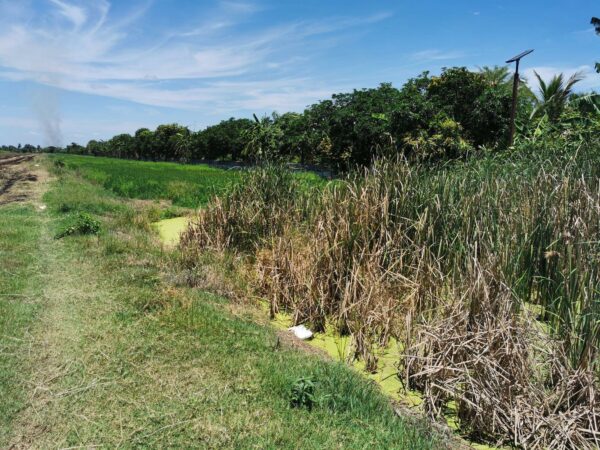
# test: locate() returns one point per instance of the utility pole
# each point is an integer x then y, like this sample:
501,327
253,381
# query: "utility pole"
513,113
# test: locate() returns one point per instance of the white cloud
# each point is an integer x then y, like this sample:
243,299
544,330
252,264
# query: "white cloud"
73,13
239,7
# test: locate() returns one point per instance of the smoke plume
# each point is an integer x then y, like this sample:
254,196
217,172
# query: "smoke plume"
47,109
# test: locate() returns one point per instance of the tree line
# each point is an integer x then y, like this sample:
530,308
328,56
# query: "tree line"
430,118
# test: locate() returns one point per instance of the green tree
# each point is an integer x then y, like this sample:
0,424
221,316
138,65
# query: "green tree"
481,109
352,128
96,148
478,102
122,146
75,149
554,95
144,143
225,140
295,141
167,139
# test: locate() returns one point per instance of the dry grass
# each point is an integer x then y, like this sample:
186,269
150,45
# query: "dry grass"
448,261
508,379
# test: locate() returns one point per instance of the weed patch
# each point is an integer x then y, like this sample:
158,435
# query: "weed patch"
80,224
302,393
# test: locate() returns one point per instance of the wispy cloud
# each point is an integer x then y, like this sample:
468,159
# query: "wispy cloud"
198,66
436,55
73,13
587,31
239,6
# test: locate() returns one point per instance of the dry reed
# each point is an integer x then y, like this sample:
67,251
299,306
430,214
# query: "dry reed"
450,261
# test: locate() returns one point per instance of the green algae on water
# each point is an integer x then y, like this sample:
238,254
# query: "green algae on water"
339,348
169,230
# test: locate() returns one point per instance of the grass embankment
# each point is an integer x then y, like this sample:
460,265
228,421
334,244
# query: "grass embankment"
121,355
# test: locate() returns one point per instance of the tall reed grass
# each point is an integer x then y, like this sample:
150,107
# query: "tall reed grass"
451,261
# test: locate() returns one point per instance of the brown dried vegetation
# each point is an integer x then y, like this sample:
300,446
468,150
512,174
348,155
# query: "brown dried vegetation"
451,262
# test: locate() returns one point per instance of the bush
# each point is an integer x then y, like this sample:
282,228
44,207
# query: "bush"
80,224
302,394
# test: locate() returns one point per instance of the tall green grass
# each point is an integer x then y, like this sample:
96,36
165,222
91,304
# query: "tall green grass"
188,186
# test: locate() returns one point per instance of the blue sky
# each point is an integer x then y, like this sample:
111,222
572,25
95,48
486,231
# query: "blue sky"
75,70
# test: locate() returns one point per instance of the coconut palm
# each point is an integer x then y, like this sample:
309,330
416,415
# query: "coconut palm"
554,96
497,75
502,77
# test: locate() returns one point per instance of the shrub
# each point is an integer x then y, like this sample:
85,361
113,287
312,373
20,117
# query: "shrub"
81,223
442,140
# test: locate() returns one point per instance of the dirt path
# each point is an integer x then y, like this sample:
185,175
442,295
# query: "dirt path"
71,307
18,175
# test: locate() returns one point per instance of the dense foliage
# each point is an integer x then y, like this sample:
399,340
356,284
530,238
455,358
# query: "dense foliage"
430,118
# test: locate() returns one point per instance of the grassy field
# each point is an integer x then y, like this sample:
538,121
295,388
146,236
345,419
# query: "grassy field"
185,185
105,347
188,186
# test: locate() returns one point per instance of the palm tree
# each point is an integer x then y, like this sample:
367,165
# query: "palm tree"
502,76
263,139
554,95
497,75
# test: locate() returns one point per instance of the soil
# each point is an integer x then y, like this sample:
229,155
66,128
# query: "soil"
17,173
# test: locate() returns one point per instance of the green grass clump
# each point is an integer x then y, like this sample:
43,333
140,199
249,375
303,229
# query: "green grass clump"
81,223
302,394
